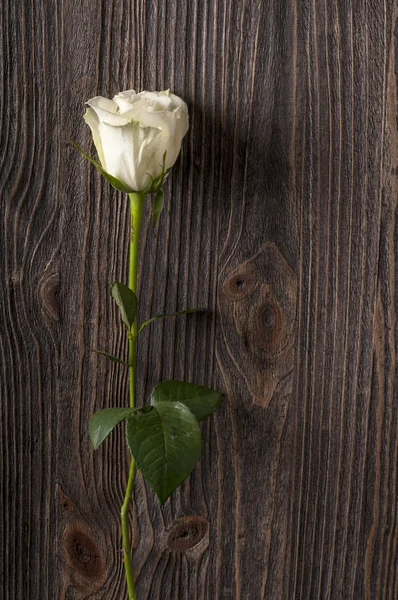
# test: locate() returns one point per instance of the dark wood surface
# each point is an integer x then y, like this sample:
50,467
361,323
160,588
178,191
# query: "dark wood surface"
282,220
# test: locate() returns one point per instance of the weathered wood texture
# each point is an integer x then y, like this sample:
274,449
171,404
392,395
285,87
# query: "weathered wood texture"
282,220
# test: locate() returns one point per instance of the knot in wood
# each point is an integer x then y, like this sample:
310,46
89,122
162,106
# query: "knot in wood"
64,502
259,304
239,284
83,554
187,532
269,324
49,292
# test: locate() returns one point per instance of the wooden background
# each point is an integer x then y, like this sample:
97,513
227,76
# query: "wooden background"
282,220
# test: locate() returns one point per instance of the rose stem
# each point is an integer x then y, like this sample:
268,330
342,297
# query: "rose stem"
137,203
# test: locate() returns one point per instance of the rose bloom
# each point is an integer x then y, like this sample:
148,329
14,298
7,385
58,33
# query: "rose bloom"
133,131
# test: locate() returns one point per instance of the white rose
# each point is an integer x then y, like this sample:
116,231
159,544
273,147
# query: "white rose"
133,131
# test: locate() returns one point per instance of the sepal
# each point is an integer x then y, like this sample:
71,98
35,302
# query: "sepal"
116,183
158,206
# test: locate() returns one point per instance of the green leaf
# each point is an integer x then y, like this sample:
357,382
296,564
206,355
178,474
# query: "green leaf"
119,185
166,444
200,400
157,208
102,423
126,301
113,358
176,314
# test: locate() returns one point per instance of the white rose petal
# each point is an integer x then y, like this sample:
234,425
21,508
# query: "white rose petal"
133,131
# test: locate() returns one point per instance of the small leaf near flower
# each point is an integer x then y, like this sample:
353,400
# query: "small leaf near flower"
176,314
117,184
126,301
111,357
201,401
166,444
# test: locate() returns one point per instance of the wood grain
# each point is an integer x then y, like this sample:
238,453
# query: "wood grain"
281,219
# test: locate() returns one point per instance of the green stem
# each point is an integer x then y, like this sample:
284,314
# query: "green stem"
137,204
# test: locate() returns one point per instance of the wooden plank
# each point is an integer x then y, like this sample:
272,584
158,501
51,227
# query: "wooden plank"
281,218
